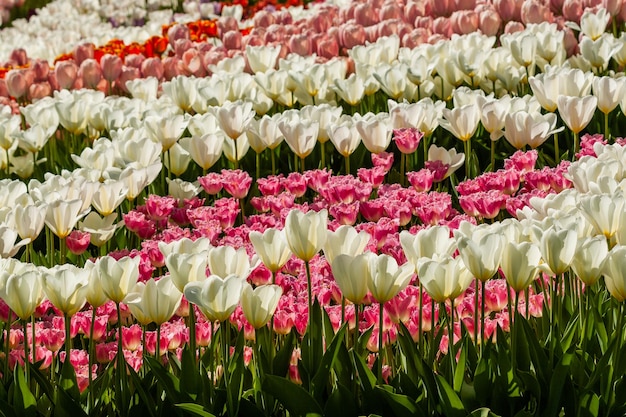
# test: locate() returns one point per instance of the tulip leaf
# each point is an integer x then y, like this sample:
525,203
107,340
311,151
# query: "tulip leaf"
459,372
247,408
147,400
367,378
363,339
341,403
283,357
294,398
537,355
589,405
558,381
66,406
320,380
344,371
44,382
194,409
483,412
189,374
68,381
169,382
400,405
5,410
449,400
23,399
312,346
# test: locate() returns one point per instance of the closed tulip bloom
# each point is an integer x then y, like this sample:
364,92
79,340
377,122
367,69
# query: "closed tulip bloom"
603,211
226,260
28,220
427,243
609,92
271,247
165,130
108,197
94,294
386,279
185,245
520,264
351,90
300,135
462,121
591,255
66,287
22,291
523,129
614,272
234,117
306,233
577,112
262,58
259,304
187,267
100,229
345,137
205,150
117,277
155,301
558,248
352,275
345,240
217,298
443,277
62,216
375,133
481,254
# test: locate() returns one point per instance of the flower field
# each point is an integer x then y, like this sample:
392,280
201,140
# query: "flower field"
270,208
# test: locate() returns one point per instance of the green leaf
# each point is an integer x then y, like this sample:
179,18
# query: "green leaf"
68,382
194,409
169,382
341,403
283,357
312,349
367,378
559,377
320,380
459,372
67,406
189,374
23,400
401,405
589,405
483,412
450,401
293,397
147,399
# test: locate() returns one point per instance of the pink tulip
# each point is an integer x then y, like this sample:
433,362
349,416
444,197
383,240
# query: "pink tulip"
111,67
152,67
90,72
533,11
415,38
509,10
283,17
274,34
39,90
19,56
442,26
176,32
17,83
570,41
425,22
372,210
300,44
134,60
4,92
181,46
232,39
172,67
613,6
415,9
556,6
422,180
573,10
83,51
441,7
464,4
77,242
263,18
464,22
489,22
252,40
327,48
192,63
66,73
365,14
226,24
128,74
391,10
513,27
41,69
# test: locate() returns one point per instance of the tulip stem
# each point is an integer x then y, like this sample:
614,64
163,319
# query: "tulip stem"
607,134
482,318
323,152
26,358
192,330
68,338
420,317
380,343
302,164
468,149
91,355
493,155
157,349
273,153
451,348
557,154
576,143
476,291
258,166
402,168
347,160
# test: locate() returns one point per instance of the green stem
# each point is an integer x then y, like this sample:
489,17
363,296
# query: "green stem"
68,338
347,160
476,292
557,154
6,346
380,343
302,164
482,317
402,168
273,153
607,133
451,340
192,330
493,155
576,144
258,166
157,351
92,347
323,152
26,355
468,149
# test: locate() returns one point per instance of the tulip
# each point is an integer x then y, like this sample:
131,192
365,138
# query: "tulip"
351,273
614,272
66,287
576,113
346,139
217,298
184,245
182,90
100,229
8,248
300,135
590,258
523,129
351,90
375,133
225,261
386,278
155,301
306,233
22,291
609,92
345,240
186,267
165,130
271,247
108,197
558,247
62,216
117,277
262,58
447,158
259,304
205,149
603,212
443,277
521,262
593,25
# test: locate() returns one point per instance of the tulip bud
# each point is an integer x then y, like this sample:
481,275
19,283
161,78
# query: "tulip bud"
66,73
111,67
17,84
